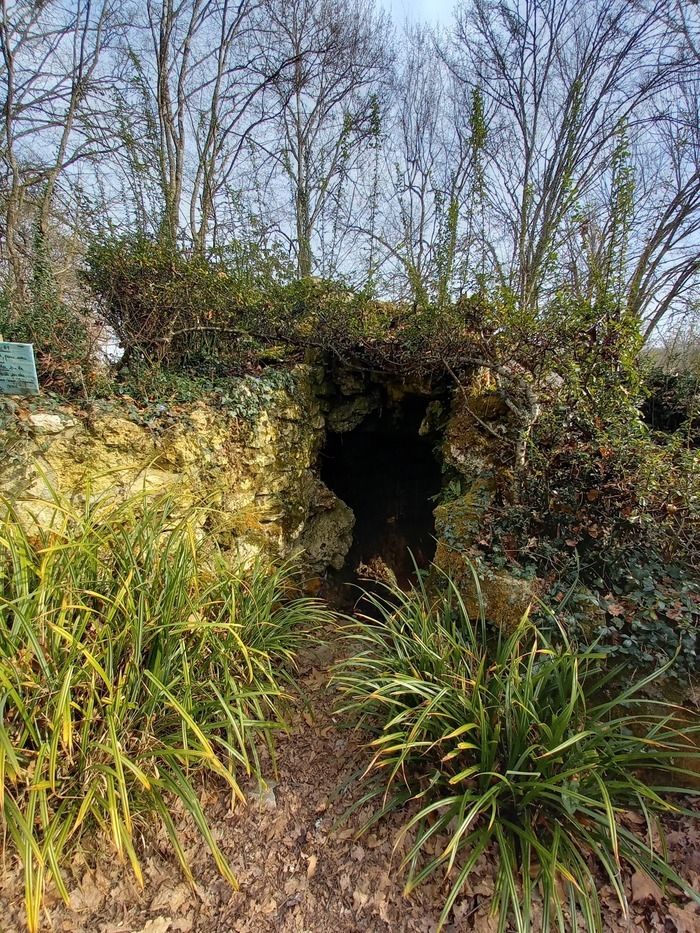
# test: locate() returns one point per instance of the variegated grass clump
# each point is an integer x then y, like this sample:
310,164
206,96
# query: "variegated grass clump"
133,657
517,746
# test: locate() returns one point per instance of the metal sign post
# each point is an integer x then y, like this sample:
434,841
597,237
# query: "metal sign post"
18,369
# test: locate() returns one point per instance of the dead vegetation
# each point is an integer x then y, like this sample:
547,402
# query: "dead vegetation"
299,872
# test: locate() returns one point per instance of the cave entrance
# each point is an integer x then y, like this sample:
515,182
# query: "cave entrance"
388,474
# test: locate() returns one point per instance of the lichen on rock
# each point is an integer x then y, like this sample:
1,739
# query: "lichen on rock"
473,450
250,458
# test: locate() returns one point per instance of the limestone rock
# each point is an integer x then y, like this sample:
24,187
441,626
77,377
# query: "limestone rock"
42,422
327,533
506,598
475,433
473,446
431,423
251,461
503,597
459,521
347,415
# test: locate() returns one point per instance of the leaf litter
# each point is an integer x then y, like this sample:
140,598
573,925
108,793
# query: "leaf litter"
302,868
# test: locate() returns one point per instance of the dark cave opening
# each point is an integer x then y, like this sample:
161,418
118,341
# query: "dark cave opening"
389,475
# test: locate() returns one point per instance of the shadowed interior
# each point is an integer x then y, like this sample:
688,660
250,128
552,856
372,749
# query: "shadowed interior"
388,474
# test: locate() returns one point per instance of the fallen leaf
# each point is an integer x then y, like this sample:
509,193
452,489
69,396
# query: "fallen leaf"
157,925
615,609
686,919
169,898
88,896
485,922
360,899
644,888
183,925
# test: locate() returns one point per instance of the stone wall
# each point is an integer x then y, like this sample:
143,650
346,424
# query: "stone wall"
250,457
476,448
253,458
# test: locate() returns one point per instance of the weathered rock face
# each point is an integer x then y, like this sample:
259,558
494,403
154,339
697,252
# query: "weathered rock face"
251,459
350,401
473,448
349,395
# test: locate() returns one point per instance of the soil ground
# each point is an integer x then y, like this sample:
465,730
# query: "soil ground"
299,871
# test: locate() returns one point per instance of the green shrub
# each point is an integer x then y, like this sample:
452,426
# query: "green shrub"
168,306
673,402
133,658
607,510
514,745
63,337
609,498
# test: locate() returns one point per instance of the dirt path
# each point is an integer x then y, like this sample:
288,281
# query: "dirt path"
296,873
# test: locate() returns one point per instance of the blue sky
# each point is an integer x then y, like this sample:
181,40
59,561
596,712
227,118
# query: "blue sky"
435,10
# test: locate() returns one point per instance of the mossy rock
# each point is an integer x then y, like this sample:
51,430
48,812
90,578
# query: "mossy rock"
250,457
458,522
502,597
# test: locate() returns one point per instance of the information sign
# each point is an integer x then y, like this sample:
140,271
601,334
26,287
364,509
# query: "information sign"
18,369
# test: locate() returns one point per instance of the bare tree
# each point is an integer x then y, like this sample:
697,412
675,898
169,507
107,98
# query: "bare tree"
195,72
50,81
327,97
427,171
545,143
562,78
176,30
683,17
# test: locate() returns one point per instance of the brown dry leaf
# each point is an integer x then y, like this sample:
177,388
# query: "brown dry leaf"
360,899
645,888
384,910
88,896
485,922
633,818
169,898
311,866
157,925
686,919
291,886
482,886
183,925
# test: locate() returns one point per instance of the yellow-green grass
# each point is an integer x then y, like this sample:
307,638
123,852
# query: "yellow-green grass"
516,745
133,657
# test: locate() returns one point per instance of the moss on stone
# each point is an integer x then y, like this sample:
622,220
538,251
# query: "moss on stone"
502,597
458,522
249,457
475,449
